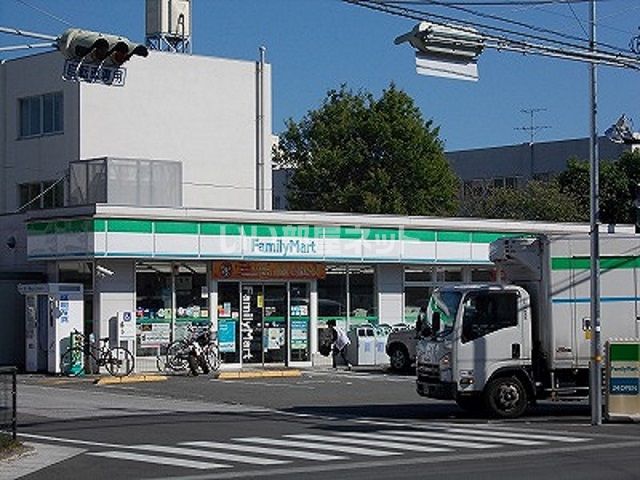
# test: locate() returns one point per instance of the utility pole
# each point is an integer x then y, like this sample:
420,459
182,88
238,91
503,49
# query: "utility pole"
595,380
533,129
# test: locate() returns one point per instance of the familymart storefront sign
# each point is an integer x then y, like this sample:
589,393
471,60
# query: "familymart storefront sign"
165,239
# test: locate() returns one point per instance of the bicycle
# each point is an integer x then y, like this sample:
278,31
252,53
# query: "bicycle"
179,352
88,358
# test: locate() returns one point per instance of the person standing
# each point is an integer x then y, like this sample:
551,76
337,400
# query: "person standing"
339,341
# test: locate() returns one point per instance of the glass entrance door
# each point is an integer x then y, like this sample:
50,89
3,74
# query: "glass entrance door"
264,323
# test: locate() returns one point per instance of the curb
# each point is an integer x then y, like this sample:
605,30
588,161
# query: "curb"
130,379
258,374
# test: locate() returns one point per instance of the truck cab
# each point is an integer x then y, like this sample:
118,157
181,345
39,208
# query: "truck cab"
480,351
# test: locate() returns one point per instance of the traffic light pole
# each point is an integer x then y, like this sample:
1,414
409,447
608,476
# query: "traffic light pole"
595,379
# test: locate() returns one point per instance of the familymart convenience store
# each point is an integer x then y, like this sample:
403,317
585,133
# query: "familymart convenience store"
266,282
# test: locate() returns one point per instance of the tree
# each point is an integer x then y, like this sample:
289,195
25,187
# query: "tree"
543,201
359,154
616,188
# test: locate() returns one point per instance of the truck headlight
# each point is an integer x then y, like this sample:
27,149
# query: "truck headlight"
445,361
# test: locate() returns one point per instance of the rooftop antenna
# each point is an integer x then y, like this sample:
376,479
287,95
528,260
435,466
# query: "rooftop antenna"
168,25
533,129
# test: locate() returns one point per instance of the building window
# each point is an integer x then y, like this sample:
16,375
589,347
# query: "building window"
41,115
39,195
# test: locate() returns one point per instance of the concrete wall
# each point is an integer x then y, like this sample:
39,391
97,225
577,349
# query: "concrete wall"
113,294
390,280
43,158
201,111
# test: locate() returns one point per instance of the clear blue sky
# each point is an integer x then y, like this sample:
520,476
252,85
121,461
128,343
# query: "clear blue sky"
316,45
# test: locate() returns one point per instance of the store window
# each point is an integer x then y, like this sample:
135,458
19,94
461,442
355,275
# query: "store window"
229,321
192,297
300,322
41,115
154,309
362,303
332,296
347,295
39,195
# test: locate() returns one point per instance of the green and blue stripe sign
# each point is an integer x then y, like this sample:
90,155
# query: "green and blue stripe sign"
138,238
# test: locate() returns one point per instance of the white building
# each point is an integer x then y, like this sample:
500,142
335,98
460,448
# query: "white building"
158,183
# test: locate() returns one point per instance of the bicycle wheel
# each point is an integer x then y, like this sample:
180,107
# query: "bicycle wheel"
212,355
178,356
72,362
119,361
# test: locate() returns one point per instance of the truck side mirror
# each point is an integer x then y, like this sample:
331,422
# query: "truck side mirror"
435,322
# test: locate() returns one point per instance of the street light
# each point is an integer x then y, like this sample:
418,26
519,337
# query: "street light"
444,50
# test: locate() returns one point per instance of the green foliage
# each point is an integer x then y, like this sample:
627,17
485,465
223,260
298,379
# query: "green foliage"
543,201
359,154
617,182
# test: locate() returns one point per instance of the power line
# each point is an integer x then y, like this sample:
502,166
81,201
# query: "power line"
500,41
44,12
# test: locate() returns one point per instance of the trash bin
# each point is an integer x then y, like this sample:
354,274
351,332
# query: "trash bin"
380,338
362,350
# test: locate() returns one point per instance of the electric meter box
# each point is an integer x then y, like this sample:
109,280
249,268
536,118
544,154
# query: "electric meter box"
52,312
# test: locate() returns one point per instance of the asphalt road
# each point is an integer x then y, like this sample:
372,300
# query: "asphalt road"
321,425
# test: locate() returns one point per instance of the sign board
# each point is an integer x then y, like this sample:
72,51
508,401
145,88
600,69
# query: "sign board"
228,270
90,73
126,326
623,380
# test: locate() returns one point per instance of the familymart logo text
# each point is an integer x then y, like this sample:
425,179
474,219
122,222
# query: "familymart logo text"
284,248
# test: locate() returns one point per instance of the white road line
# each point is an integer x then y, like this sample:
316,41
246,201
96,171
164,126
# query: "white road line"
278,452
176,462
533,436
317,446
454,435
406,437
230,457
341,439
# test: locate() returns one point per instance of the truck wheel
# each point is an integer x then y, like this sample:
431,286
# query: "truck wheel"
506,397
399,359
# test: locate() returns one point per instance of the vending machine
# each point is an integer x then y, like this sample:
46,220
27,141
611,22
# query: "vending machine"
52,312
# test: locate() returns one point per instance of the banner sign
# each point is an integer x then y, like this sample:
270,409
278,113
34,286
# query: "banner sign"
91,73
268,270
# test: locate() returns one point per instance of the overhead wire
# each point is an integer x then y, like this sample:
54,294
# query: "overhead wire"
441,3
501,40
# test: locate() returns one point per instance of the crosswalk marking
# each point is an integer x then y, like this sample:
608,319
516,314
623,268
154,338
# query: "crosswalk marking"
278,452
534,436
394,439
341,438
404,437
178,462
368,452
477,437
230,457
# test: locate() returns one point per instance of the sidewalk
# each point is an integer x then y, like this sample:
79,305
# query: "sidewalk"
38,457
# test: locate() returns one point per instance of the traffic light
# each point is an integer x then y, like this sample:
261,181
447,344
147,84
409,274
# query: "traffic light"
95,47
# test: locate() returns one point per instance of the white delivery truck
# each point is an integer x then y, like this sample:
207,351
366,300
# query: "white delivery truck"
500,347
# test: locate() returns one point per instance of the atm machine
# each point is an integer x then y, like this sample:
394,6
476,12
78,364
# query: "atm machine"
52,312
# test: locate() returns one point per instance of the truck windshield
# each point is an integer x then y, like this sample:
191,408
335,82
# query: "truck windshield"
447,303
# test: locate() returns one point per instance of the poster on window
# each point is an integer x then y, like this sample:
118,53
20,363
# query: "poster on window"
154,334
227,335
299,334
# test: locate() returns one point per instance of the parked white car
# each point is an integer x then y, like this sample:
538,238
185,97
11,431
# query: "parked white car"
401,348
